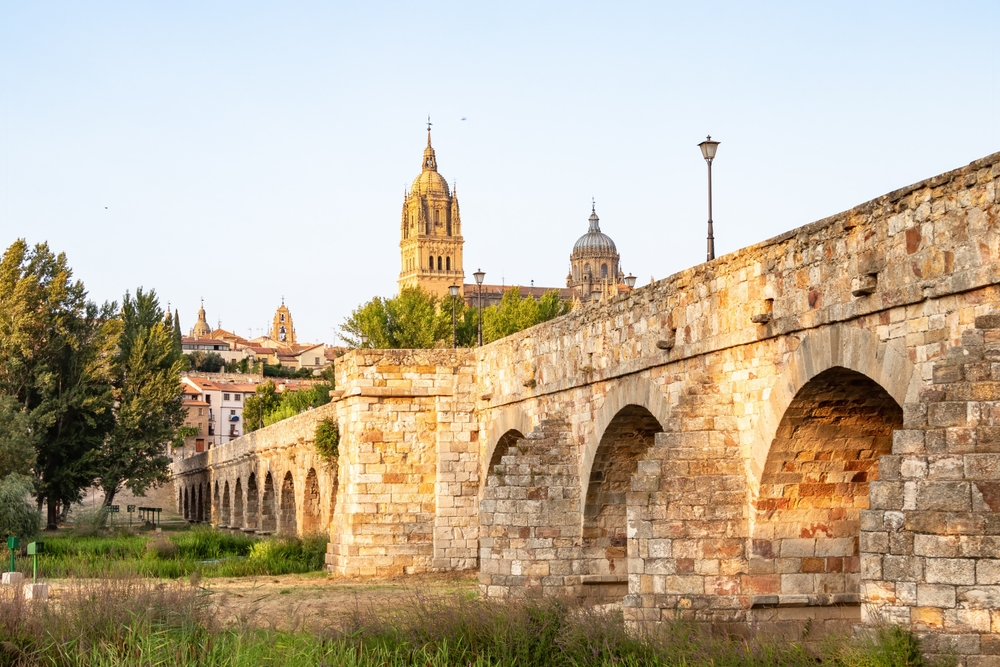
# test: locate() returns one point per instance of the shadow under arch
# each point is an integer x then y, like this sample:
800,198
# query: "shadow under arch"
507,420
839,345
623,392
805,525
625,441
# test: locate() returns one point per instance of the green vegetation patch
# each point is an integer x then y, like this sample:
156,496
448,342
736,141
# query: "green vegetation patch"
209,552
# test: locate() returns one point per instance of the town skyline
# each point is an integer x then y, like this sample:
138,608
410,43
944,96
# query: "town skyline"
245,155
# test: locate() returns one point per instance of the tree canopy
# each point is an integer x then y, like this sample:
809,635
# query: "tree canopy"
416,319
148,409
87,393
57,364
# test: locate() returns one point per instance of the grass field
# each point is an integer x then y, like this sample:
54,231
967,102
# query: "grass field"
171,555
133,621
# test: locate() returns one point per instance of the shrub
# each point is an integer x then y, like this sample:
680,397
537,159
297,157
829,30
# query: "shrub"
162,548
328,439
17,516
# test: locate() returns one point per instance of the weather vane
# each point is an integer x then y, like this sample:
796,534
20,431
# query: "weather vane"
429,122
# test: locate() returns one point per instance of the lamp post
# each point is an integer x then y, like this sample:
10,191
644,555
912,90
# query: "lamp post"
479,275
630,281
708,149
453,290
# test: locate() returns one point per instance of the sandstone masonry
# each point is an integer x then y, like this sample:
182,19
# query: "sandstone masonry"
800,429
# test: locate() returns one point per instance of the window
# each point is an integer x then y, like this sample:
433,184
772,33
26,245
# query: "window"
201,411
447,263
432,263
225,397
208,398
282,317
232,412
315,361
604,270
439,262
448,226
199,445
237,397
437,216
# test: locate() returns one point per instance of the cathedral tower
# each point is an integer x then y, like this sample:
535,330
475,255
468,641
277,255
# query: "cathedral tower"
431,231
281,327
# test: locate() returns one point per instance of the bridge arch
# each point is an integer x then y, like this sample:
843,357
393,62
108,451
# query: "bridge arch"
238,504
805,519
624,442
507,420
268,506
226,514
311,507
634,390
839,345
286,506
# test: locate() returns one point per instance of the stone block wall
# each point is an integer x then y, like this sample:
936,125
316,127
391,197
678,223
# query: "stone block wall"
409,457
931,540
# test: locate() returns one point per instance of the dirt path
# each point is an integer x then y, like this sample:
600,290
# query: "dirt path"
317,600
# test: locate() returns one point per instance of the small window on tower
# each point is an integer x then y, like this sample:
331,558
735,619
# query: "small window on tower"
282,317
604,270
447,263
439,262
432,264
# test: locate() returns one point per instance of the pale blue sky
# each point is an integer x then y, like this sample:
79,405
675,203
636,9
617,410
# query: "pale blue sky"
249,150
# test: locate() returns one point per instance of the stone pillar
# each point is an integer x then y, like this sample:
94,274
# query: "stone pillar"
456,530
530,518
687,531
930,542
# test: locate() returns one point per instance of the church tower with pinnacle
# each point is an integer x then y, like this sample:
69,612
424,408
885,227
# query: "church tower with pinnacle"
431,231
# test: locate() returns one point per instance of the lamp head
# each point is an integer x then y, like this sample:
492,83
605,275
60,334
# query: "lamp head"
630,281
453,290
479,275
708,148
364,339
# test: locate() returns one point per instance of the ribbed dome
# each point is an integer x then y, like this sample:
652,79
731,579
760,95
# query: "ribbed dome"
595,240
429,182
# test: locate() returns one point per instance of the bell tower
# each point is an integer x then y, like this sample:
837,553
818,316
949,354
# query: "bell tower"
282,329
430,231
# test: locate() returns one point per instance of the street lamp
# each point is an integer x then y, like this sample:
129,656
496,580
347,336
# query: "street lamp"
453,290
479,275
364,340
630,280
708,148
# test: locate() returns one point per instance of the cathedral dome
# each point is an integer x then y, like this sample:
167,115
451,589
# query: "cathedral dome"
595,240
429,182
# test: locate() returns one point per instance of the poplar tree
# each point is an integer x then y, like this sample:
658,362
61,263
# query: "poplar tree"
148,412
57,363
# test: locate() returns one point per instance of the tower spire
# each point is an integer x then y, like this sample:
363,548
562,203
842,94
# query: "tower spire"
429,123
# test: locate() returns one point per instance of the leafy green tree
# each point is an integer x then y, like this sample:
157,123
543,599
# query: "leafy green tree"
206,362
264,401
57,353
515,314
17,516
148,409
410,320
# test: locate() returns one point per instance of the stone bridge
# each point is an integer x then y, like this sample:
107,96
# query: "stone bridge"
805,428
